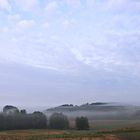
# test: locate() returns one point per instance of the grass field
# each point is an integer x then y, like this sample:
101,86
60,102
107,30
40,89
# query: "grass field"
114,124
100,130
129,135
52,135
100,125
69,135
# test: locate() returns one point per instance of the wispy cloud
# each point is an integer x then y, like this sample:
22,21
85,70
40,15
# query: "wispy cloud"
74,3
5,5
51,6
26,5
25,24
92,44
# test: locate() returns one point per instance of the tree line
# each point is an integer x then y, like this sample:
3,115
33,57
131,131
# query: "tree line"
11,118
36,120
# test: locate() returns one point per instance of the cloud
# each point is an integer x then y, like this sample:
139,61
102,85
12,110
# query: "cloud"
5,5
51,6
118,55
90,3
69,23
14,18
25,24
123,6
5,29
74,3
92,50
46,25
46,55
116,4
27,5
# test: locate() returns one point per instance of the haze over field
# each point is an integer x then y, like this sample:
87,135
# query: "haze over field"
69,51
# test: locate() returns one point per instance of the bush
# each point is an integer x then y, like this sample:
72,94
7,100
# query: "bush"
82,123
58,121
36,120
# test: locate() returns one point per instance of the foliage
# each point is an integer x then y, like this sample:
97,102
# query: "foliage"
82,123
58,121
9,109
22,121
23,111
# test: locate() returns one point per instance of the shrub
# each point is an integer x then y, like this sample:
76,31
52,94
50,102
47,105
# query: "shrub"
82,123
58,121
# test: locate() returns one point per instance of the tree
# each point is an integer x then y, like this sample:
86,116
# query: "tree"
82,123
58,121
22,120
9,109
39,120
23,111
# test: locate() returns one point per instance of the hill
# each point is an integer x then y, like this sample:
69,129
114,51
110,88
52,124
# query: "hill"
98,110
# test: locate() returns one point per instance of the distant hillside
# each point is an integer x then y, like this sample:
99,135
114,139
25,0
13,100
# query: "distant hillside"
98,110
98,106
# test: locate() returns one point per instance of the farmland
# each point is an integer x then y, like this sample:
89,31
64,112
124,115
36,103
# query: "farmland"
101,130
130,136
67,135
102,123
52,135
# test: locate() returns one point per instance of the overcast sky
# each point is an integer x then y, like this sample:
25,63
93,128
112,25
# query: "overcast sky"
69,51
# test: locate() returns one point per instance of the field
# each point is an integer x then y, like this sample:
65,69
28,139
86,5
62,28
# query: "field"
54,135
100,130
130,135
66,135
114,124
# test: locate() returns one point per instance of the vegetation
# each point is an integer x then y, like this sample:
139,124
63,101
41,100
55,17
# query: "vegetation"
69,135
22,121
14,120
8,109
82,123
129,135
99,111
58,121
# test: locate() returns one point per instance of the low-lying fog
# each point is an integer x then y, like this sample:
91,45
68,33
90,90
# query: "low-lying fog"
106,111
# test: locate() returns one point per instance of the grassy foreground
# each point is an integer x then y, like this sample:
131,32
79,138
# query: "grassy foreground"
130,135
69,135
100,130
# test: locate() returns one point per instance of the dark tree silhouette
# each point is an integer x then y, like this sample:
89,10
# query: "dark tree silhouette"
23,111
9,109
22,120
82,123
58,121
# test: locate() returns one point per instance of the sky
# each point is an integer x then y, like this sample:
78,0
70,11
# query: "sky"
69,51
